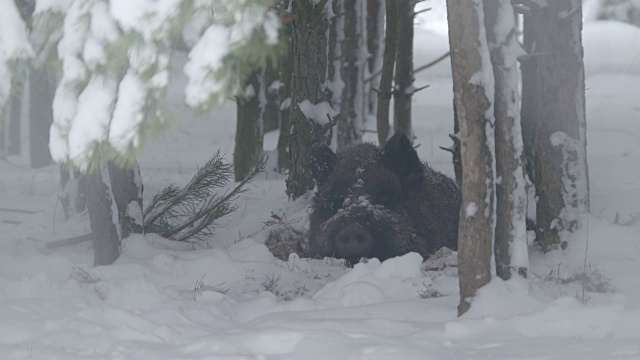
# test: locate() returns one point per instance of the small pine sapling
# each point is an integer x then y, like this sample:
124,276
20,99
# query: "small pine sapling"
191,213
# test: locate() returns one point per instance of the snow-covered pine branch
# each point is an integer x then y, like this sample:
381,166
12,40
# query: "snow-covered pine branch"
115,56
15,49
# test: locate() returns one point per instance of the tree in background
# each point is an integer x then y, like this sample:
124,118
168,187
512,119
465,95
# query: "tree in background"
511,195
560,153
251,107
385,90
473,90
353,65
403,90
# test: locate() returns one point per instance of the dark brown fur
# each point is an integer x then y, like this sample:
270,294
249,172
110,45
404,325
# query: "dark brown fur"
380,202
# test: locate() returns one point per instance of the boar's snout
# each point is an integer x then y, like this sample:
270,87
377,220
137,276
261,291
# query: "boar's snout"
353,240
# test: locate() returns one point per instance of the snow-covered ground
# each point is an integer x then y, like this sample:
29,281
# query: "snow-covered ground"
234,300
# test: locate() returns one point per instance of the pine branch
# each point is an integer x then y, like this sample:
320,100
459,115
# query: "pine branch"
258,167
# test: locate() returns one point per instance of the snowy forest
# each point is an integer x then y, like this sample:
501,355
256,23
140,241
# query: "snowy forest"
319,179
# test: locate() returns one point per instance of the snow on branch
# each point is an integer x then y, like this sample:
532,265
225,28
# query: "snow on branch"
127,45
14,48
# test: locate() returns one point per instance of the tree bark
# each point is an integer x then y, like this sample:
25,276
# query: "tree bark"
529,106
73,191
388,64
472,86
511,237
250,125
562,183
309,46
104,217
352,67
272,103
126,186
375,46
284,94
404,68
42,90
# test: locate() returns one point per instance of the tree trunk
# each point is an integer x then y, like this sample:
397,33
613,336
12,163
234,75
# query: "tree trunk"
388,64
272,98
529,106
42,90
375,45
511,233
472,86
562,183
309,46
73,191
284,93
335,62
14,133
126,186
404,68
350,128
104,218
250,125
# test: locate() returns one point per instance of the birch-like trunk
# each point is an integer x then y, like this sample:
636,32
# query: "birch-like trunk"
473,89
385,90
375,46
511,254
404,68
354,62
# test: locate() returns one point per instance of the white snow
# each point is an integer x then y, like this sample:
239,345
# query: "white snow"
128,113
90,125
471,209
232,299
204,59
317,112
14,45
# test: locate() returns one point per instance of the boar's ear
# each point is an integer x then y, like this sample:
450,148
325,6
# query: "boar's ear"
322,161
401,158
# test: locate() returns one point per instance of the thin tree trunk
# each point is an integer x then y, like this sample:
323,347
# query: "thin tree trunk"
352,68
529,106
473,96
309,46
562,183
375,45
388,64
250,125
284,93
104,218
42,90
14,144
404,68
511,233
335,63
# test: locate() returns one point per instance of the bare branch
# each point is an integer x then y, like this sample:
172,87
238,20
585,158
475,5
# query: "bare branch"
527,57
446,149
426,66
420,88
421,11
